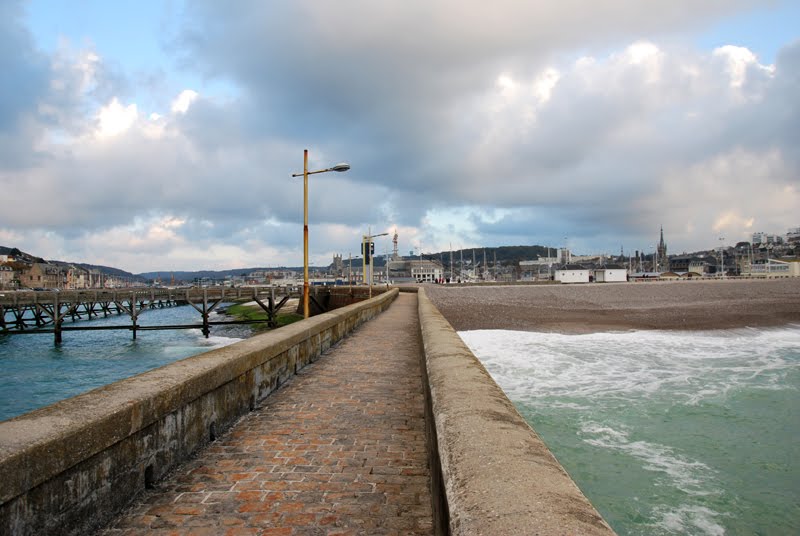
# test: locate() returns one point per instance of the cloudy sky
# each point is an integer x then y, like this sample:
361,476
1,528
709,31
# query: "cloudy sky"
163,134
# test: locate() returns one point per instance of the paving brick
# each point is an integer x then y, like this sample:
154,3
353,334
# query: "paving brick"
282,531
338,450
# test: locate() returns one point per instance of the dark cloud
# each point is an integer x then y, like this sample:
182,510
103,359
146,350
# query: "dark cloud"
25,81
436,106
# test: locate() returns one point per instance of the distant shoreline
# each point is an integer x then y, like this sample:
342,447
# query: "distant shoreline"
597,307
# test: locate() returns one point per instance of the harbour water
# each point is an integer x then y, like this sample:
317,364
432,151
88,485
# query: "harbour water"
665,432
36,372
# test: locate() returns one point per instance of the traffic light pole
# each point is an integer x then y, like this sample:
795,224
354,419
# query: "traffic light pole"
365,256
367,247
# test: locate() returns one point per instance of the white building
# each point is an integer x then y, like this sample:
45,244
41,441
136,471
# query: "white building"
611,273
572,273
764,239
426,272
775,267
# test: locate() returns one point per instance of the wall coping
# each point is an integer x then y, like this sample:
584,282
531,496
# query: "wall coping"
39,445
498,476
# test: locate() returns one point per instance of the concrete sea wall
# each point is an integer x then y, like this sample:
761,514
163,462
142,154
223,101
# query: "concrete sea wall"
70,467
492,473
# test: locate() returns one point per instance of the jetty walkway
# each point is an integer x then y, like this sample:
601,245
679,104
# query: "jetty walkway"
339,449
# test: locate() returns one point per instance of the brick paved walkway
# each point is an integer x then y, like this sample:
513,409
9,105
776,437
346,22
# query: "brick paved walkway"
340,449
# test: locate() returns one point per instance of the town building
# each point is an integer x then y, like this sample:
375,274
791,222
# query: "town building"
682,264
419,271
773,267
764,239
42,275
538,270
572,273
77,277
8,277
426,271
586,259
338,265
611,273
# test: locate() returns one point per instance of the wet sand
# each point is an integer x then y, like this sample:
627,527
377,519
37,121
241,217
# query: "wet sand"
585,308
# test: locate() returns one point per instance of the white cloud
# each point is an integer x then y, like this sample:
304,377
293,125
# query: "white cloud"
545,83
155,127
730,194
182,102
114,119
737,61
732,221
649,57
145,235
642,52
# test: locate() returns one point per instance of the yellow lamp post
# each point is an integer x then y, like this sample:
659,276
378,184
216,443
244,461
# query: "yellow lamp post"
338,167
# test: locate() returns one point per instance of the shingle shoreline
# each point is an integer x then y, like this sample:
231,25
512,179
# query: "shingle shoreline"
684,305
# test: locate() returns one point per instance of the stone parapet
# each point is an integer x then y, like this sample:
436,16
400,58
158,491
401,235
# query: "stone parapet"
70,467
495,475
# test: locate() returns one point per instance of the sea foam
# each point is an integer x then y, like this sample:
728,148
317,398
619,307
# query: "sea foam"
691,366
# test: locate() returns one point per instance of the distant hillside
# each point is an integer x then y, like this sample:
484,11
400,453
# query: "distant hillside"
20,255
210,274
505,254
108,270
116,272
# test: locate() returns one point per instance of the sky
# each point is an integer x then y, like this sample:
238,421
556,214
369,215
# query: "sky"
162,135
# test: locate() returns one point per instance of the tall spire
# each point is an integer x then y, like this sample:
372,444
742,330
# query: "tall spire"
663,260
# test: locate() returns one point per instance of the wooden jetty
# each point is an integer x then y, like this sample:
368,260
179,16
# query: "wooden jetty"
46,311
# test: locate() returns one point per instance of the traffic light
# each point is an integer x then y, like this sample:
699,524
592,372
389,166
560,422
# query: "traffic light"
370,251
366,251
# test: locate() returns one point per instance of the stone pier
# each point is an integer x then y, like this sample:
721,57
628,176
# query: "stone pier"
338,450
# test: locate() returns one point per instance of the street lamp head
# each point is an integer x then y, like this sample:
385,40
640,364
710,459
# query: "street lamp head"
341,167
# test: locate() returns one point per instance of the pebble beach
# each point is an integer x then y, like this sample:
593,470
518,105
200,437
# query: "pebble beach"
594,307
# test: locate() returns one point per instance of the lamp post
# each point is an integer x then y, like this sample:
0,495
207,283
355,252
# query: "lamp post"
338,167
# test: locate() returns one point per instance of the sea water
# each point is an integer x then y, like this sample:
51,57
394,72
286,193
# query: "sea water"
35,372
665,432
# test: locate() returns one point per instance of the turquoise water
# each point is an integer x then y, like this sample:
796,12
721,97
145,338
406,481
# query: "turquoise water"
35,372
665,432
